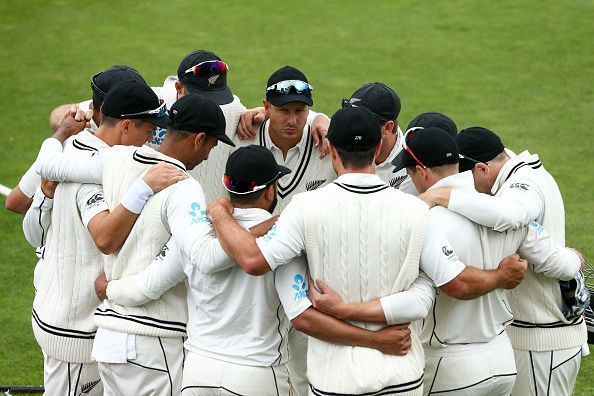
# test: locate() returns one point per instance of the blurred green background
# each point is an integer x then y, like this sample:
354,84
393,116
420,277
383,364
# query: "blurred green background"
523,69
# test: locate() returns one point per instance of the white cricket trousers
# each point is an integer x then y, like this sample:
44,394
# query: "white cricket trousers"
298,361
157,369
70,379
206,376
547,373
473,369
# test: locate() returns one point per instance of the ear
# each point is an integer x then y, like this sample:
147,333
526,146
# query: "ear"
483,168
125,127
388,128
180,88
270,192
199,140
267,106
333,152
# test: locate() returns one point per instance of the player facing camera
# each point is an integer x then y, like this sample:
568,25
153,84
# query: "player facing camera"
250,177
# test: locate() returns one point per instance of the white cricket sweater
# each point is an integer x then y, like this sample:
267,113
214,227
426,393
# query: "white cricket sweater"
167,316
65,300
539,324
308,171
365,243
209,173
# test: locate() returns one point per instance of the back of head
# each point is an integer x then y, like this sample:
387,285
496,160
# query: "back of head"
477,144
195,114
355,133
204,72
249,171
426,147
134,99
103,81
287,85
377,97
435,119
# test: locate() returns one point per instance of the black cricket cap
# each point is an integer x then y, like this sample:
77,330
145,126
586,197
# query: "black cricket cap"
379,98
434,119
250,169
287,73
431,146
103,81
134,99
354,129
213,85
196,113
477,144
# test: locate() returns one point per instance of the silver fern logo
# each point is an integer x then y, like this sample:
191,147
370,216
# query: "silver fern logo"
88,387
212,79
397,181
312,185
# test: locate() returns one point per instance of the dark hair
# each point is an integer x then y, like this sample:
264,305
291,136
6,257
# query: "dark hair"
176,134
356,159
110,121
247,199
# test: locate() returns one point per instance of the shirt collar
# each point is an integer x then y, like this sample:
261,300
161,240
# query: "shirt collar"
458,181
510,165
360,179
395,150
250,214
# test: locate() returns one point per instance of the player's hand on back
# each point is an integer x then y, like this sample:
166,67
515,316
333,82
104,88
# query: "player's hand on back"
48,187
512,270
246,129
101,286
218,206
325,300
393,340
163,175
262,228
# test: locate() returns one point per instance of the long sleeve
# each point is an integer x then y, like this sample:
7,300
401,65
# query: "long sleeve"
412,304
74,166
519,204
546,256
38,219
165,271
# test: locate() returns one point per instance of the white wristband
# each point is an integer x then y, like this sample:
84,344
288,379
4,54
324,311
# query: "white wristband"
136,196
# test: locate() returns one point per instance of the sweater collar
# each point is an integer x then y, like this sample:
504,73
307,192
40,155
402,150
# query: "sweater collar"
510,167
459,181
146,154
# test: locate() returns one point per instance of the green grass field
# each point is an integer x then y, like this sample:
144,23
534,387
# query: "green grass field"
523,69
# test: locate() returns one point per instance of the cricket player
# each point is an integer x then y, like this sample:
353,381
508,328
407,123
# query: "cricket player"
140,349
64,302
363,239
515,190
237,341
385,104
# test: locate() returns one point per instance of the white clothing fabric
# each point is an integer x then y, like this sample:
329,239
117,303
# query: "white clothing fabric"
286,239
207,376
234,316
38,219
30,181
399,180
308,171
472,370
157,369
113,346
298,361
412,304
65,299
547,373
70,379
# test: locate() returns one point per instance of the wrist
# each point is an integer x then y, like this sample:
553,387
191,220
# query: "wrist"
136,196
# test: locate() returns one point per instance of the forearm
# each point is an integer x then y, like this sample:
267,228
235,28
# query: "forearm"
472,283
239,244
126,292
330,329
109,230
410,305
17,202
499,213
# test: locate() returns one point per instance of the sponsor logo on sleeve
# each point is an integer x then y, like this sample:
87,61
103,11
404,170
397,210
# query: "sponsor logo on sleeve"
519,186
300,286
197,214
162,253
158,135
271,234
449,253
95,200
537,227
